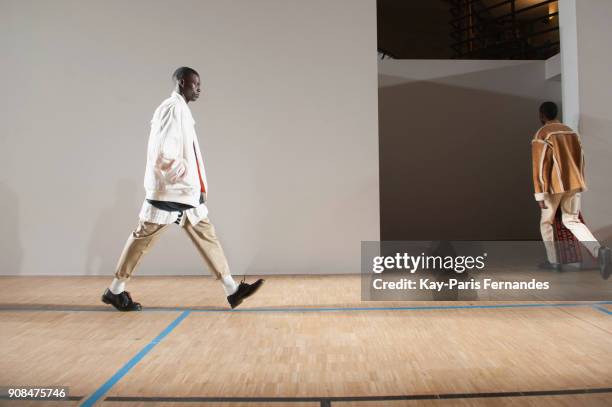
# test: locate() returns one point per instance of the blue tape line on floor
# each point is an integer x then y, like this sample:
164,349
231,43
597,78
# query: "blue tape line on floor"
604,310
414,308
91,400
313,309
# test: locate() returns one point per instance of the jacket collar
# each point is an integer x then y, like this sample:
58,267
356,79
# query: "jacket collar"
178,96
183,103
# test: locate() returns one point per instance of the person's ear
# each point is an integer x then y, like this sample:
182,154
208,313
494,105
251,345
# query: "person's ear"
181,83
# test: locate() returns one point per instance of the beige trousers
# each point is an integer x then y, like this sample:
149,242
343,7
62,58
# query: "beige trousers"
146,234
570,210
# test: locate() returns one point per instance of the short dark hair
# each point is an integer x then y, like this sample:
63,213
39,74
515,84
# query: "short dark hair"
549,110
183,72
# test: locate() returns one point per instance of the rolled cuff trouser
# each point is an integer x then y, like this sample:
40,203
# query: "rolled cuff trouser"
146,234
569,202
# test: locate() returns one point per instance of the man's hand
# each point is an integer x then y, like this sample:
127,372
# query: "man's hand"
542,205
173,170
177,172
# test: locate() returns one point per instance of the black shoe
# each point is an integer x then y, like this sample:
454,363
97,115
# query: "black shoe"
122,301
549,266
244,291
604,258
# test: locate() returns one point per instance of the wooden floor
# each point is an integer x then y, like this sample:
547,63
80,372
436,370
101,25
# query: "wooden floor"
301,341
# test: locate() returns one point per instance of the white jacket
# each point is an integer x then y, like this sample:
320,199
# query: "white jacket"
171,173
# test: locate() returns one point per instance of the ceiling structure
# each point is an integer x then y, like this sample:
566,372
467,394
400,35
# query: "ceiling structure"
468,29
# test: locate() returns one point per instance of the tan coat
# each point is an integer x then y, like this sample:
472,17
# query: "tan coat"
558,161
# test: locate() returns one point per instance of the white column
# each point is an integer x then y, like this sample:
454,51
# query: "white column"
586,60
569,62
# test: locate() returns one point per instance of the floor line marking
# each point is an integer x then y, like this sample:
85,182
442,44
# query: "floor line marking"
413,308
102,390
602,309
332,399
318,309
67,398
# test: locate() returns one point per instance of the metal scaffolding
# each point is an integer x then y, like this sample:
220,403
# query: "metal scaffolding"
509,29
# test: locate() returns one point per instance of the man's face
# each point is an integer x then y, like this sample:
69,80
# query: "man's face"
191,87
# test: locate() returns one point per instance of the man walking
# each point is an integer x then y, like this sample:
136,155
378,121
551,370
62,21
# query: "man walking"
558,178
176,188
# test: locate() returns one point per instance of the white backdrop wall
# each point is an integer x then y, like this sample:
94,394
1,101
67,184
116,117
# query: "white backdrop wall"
287,125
